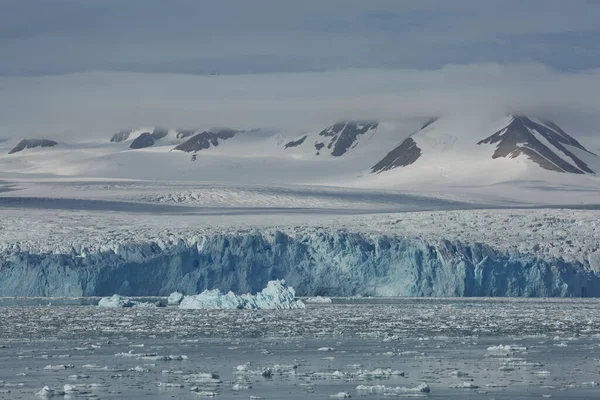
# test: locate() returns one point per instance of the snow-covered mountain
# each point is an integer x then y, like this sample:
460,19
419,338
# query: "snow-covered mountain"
441,153
32,144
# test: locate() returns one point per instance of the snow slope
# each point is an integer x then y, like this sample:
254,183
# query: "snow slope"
454,155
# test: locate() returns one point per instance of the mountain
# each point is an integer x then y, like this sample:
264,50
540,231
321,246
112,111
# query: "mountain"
440,143
338,138
206,139
147,137
545,143
31,144
446,154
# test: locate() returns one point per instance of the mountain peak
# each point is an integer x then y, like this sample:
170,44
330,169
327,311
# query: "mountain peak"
31,144
544,143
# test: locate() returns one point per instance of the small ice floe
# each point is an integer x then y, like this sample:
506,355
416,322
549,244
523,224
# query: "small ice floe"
202,378
72,390
175,299
277,295
170,385
47,392
592,383
325,349
521,363
379,373
541,372
138,369
267,372
341,395
458,374
391,391
505,350
58,367
202,393
151,356
317,300
178,372
79,376
141,304
115,301
93,366
463,385
239,387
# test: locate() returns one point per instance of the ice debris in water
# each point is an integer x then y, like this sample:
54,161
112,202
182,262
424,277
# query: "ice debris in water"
318,300
277,295
390,391
175,298
117,301
47,392
341,395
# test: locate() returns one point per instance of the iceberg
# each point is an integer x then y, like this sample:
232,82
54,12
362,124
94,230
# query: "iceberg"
276,296
175,299
115,301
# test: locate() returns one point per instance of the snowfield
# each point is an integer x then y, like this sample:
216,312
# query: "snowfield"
552,233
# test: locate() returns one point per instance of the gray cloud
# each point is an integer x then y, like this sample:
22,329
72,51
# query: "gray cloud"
39,37
95,104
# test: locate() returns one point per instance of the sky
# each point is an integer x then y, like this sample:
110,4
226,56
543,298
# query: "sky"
81,67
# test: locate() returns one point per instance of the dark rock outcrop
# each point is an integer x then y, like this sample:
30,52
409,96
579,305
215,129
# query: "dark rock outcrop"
31,144
406,154
120,136
295,143
344,135
144,140
206,139
542,144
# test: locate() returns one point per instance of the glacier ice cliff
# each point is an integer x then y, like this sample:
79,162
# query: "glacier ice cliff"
325,262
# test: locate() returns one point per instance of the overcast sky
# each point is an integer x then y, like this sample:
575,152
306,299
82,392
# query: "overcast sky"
66,64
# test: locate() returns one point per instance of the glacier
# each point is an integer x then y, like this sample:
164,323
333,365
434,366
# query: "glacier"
316,262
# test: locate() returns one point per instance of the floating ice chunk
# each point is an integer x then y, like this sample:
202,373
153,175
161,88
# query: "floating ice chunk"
70,389
115,301
141,304
213,300
47,392
59,367
464,385
341,395
317,300
238,387
202,393
275,296
390,391
175,298
170,385
371,388
325,349
79,376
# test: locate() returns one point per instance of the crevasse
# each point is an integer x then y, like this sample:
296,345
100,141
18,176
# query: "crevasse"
323,262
